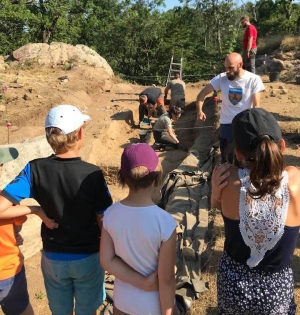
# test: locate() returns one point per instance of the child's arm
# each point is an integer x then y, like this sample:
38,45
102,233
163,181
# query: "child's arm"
166,275
100,220
19,238
20,210
116,266
17,225
50,223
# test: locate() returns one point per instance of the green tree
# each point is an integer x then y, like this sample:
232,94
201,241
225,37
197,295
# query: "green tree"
14,20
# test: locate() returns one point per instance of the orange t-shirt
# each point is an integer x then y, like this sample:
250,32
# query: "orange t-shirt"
11,258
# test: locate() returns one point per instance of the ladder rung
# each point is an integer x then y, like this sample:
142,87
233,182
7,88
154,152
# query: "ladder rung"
176,64
176,70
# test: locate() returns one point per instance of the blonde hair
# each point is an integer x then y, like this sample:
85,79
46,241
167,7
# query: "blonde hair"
245,17
140,178
59,142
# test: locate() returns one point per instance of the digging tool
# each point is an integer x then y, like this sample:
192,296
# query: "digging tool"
128,93
124,99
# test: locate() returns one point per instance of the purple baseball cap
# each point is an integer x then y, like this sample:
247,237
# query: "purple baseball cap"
138,154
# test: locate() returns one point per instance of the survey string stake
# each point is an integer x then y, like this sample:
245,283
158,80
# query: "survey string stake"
8,125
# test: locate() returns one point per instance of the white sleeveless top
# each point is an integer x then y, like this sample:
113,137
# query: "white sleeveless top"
262,220
137,233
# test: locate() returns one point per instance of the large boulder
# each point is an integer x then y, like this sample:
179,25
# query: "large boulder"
60,53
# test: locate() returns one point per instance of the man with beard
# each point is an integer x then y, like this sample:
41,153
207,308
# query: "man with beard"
240,90
249,44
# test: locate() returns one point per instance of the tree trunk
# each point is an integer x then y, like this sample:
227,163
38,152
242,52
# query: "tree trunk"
46,36
47,31
219,41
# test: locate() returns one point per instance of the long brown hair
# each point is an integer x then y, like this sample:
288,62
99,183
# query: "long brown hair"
266,165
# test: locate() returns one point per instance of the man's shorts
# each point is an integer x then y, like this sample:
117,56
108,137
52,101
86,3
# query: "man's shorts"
177,101
14,294
160,101
82,280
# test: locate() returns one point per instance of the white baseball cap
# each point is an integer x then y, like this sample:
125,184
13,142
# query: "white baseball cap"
67,118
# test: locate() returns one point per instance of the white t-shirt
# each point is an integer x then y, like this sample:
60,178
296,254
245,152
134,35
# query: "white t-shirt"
236,94
163,123
137,233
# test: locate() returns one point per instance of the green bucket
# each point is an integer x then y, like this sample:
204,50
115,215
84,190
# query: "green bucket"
274,76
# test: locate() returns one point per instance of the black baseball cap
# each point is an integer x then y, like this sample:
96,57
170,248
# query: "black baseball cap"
252,123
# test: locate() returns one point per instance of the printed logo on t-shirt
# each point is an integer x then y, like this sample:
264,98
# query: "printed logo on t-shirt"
235,95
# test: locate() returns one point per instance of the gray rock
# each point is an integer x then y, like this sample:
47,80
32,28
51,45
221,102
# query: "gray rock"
61,54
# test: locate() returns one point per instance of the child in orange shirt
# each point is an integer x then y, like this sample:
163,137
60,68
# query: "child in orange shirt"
14,298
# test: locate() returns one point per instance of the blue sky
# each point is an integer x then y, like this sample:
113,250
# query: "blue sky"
170,4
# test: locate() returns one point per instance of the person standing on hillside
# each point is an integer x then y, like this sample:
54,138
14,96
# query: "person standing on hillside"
177,87
240,90
151,103
249,44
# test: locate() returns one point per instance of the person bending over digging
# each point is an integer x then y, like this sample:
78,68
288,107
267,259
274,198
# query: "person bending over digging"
151,103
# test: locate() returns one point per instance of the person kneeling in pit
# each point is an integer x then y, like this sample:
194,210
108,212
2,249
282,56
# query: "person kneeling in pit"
163,133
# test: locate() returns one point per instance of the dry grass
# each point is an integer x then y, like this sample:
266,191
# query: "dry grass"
267,45
290,43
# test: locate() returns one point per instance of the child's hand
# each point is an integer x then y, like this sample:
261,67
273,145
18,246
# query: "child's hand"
219,180
19,239
50,223
151,282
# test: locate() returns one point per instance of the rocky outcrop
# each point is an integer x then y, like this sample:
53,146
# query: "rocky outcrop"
60,54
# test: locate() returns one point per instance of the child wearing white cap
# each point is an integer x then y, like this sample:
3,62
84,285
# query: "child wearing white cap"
74,194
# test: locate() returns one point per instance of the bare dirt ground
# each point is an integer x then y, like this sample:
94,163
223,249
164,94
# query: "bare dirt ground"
110,130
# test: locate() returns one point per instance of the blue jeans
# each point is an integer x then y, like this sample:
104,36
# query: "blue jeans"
13,294
82,280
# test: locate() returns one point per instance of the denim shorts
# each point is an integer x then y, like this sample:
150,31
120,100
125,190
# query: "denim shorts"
68,280
226,138
14,294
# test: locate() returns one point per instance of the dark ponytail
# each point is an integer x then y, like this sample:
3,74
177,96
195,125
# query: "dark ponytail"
175,110
266,166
